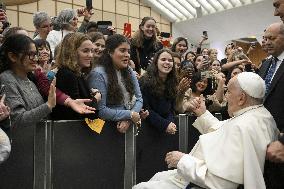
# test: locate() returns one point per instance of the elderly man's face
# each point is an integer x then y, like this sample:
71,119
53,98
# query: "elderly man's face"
233,96
274,39
279,8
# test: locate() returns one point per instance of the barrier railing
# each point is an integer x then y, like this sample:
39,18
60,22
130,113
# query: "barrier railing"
48,138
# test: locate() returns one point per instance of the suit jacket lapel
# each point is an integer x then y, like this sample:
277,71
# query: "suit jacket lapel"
278,74
264,68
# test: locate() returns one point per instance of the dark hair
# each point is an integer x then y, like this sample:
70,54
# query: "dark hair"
43,43
17,44
186,63
11,31
176,55
189,52
153,83
203,50
96,36
196,78
90,25
176,41
114,94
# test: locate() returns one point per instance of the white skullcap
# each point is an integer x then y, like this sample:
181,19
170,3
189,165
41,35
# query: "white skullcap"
252,84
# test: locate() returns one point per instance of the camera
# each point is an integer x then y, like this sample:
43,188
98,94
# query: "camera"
103,27
205,34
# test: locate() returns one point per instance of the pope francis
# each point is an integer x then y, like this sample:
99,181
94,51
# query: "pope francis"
230,152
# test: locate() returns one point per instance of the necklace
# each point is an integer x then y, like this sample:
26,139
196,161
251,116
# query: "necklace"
258,106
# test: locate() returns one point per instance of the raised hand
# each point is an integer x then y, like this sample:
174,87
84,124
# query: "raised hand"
171,129
80,107
197,105
51,101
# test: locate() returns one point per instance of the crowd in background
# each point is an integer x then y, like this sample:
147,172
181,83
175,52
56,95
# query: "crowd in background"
66,72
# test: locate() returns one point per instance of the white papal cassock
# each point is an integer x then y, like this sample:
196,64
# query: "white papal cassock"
228,153
5,146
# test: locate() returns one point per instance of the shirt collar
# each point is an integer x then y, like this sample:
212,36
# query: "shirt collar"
237,113
281,56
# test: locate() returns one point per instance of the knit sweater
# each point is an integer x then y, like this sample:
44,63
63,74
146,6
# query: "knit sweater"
23,98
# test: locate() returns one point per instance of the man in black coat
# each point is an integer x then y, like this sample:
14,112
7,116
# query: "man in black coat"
272,71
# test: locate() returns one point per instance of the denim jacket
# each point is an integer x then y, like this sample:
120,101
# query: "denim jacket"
98,79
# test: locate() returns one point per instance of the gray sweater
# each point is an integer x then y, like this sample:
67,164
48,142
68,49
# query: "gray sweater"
23,98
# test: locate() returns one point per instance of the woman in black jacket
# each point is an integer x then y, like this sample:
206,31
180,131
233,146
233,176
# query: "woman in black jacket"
144,44
157,136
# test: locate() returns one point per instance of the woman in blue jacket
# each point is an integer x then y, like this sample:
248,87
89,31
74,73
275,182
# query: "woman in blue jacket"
120,106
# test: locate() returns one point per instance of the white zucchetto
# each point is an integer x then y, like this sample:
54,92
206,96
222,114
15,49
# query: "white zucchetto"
252,84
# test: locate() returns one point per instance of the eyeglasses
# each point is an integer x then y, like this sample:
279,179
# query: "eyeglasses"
33,55
47,26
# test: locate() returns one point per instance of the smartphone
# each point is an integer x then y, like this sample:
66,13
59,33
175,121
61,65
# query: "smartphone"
253,44
205,34
103,27
165,34
89,4
127,29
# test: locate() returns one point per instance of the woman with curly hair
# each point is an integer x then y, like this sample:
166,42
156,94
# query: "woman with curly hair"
144,44
76,54
158,86
120,106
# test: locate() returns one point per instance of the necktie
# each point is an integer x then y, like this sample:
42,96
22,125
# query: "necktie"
268,77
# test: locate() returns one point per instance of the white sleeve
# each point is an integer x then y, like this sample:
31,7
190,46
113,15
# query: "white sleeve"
195,170
5,146
53,42
207,123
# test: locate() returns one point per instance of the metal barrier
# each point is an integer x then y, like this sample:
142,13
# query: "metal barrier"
41,146
183,132
188,135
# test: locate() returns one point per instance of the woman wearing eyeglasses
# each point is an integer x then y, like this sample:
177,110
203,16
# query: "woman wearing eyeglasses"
19,57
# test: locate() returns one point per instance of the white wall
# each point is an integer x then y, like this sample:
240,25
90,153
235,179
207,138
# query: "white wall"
228,25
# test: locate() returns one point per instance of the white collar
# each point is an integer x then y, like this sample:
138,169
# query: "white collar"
281,56
242,111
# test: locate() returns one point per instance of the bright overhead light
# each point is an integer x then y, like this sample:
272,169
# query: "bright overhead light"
171,8
163,10
178,10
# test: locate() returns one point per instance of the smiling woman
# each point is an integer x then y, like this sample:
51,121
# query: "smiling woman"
75,55
158,129
18,58
120,106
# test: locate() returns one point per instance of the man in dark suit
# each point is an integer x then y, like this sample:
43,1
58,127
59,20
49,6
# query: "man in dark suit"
272,71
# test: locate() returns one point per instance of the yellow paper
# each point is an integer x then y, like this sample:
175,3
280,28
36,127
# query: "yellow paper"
96,124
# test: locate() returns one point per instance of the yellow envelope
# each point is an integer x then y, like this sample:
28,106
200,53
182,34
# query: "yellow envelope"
96,124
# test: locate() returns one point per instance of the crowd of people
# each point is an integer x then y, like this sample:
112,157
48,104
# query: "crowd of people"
70,73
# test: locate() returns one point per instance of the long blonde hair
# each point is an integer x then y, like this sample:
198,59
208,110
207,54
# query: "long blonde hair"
67,55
